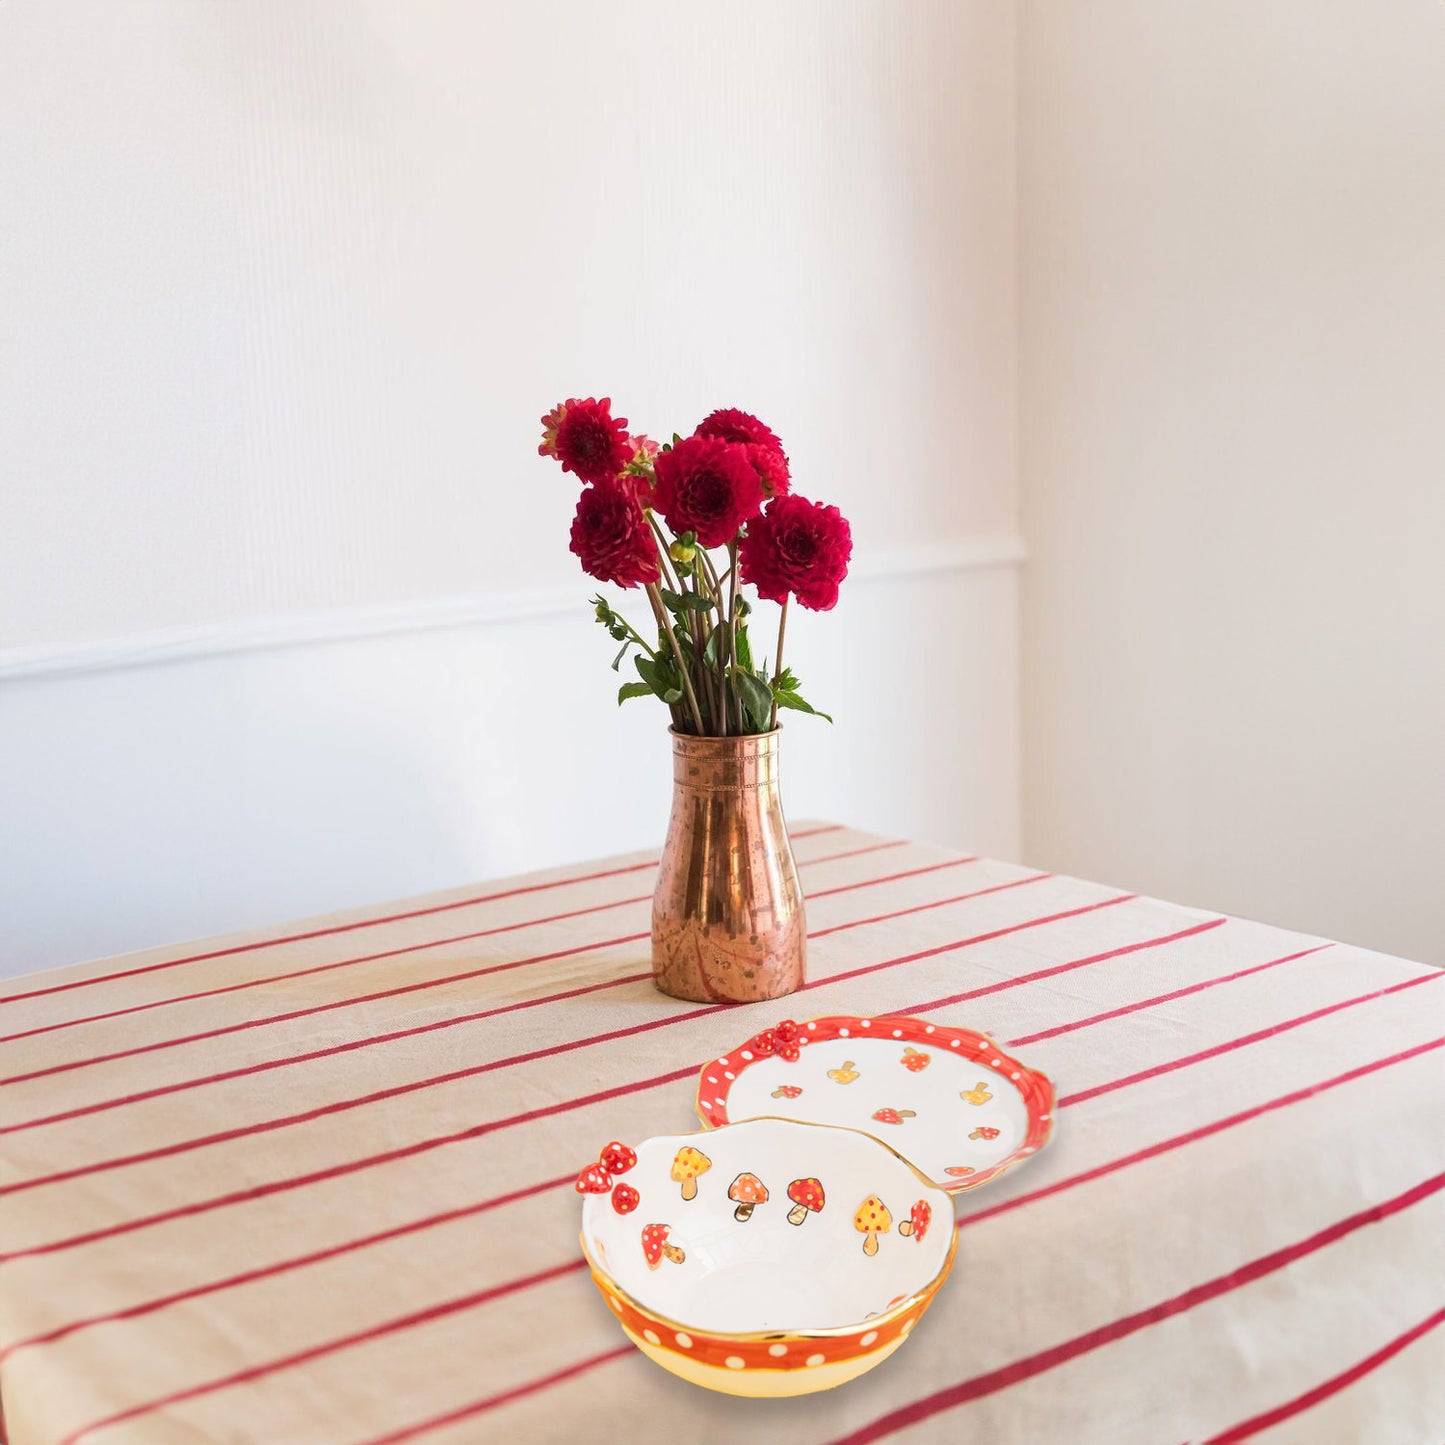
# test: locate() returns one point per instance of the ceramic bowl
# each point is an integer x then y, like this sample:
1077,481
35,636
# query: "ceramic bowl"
948,1099
766,1258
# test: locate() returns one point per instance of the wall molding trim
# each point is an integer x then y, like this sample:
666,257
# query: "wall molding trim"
184,644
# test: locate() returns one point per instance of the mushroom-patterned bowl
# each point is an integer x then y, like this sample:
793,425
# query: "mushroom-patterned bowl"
766,1258
947,1098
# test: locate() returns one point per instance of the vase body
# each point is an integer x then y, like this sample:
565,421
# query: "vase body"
727,917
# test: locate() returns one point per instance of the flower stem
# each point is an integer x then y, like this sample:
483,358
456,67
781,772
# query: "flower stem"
778,662
665,623
732,621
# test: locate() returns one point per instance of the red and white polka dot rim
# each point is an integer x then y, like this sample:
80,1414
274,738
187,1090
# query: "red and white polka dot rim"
948,1099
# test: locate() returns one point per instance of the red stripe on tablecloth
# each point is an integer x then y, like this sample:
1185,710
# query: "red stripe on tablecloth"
353,1166
436,943
517,1392
396,1091
351,1046
300,1261
898,877
1019,1370
1164,1146
88,1062
1159,998
498,1201
924,907
1254,1038
473,1300
470,973
478,1130
366,923
1037,1364
1250,1428
1057,968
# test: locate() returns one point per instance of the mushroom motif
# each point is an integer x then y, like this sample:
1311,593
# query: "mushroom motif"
872,1219
914,1060
617,1157
625,1199
919,1218
960,1170
807,1197
894,1116
845,1075
786,1091
746,1192
655,1247
594,1179
979,1094
984,1132
789,1040
687,1164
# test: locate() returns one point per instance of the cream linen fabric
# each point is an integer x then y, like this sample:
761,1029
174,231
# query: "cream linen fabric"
312,1186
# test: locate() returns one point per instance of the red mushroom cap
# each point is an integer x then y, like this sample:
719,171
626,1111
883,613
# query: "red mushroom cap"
594,1179
618,1157
625,1199
922,1217
654,1236
807,1192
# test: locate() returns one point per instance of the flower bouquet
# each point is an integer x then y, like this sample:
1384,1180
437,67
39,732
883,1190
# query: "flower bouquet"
693,523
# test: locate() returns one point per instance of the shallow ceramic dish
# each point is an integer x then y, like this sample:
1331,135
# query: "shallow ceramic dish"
948,1099
767,1258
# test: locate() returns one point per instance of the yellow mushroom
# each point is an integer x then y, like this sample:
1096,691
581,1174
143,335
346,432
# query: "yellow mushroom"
686,1166
872,1219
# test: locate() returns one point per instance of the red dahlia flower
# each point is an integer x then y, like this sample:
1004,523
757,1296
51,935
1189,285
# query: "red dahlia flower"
586,438
764,448
708,486
797,548
611,536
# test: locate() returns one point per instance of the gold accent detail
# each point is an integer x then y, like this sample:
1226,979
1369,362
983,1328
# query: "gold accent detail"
923,1296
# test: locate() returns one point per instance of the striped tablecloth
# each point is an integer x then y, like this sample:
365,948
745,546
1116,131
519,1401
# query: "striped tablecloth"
314,1184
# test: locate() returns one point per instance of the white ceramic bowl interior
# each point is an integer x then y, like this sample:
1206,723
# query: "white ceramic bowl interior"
776,1265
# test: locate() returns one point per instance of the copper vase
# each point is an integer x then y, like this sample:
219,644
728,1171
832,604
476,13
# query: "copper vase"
727,917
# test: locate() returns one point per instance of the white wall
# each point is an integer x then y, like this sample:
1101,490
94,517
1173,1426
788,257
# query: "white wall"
1232,251
283,290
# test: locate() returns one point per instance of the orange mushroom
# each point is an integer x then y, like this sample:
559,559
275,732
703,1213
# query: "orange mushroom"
872,1219
845,1075
686,1166
807,1196
914,1060
979,1094
655,1247
747,1191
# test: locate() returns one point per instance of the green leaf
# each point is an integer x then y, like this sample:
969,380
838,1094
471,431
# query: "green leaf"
660,679
622,652
685,601
797,704
757,701
745,652
632,689
710,647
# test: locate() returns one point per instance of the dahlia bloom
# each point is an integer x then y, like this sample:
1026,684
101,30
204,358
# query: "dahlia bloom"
797,548
765,449
586,438
707,486
611,537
